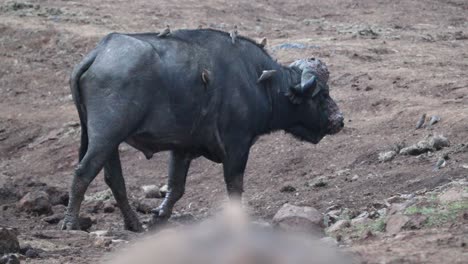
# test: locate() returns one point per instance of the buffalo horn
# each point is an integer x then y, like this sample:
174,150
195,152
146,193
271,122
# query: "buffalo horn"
266,75
308,84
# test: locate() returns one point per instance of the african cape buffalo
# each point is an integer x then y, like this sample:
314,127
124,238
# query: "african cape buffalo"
194,93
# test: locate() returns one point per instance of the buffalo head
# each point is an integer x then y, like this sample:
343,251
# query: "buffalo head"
318,114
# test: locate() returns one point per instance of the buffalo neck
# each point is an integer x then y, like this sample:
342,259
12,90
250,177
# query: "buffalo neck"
283,113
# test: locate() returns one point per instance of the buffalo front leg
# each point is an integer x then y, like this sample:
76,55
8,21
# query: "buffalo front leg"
114,179
234,167
179,164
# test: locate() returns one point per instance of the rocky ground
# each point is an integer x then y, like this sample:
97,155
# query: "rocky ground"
381,189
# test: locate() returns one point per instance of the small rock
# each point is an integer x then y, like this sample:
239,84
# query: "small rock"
117,241
57,196
374,214
59,208
333,207
367,235
439,142
8,241
355,178
99,196
85,223
347,214
411,150
416,221
9,259
382,212
387,155
395,223
32,253
379,205
24,249
396,199
102,242
360,221
407,196
400,207
339,226
151,191
287,188
334,213
108,207
364,214
94,206
331,217
53,219
100,233
35,202
164,190
146,205
296,218
319,182
343,173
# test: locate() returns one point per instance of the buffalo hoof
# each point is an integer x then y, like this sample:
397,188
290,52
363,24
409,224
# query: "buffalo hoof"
134,226
160,218
70,224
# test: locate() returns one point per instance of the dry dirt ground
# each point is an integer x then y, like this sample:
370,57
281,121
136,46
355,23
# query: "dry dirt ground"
390,61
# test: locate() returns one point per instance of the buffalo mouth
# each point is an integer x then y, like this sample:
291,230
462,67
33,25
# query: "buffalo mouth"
335,119
335,124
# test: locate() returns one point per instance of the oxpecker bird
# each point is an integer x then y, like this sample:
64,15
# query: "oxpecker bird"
421,121
263,42
165,32
233,35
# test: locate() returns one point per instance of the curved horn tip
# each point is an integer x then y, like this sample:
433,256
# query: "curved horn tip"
311,84
266,75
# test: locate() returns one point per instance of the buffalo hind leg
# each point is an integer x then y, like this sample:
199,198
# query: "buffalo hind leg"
114,179
86,171
178,167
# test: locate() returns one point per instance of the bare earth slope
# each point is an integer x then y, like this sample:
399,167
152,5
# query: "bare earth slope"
390,62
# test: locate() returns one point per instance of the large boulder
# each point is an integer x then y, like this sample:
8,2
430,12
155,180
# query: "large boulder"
35,202
299,218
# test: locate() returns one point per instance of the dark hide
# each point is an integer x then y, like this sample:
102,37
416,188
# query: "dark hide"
192,92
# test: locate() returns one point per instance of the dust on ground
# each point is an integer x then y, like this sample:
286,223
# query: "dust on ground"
390,62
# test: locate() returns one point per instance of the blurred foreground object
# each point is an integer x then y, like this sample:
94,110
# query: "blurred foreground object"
229,238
